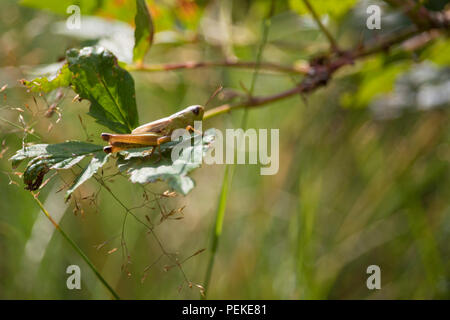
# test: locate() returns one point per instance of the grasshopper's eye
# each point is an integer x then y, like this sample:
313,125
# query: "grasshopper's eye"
196,110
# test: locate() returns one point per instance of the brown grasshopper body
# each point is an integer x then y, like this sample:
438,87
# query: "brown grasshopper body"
154,133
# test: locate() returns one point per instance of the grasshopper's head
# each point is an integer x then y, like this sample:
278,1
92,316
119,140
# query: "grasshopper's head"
186,117
196,111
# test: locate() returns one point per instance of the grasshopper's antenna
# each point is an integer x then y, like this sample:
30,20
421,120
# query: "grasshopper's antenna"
215,93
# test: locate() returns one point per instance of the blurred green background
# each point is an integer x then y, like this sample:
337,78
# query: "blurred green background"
364,162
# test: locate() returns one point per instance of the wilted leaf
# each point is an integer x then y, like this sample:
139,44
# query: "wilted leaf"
143,35
46,157
98,160
143,169
59,150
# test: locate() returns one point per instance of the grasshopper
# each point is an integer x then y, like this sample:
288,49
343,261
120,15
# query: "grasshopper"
154,133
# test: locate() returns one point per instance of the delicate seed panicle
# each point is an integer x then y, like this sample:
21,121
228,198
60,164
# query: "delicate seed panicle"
76,98
50,111
169,194
112,250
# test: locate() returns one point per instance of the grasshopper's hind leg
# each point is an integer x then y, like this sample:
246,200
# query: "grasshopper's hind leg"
158,145
149,155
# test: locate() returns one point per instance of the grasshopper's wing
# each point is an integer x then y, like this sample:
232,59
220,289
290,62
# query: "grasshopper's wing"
118,142
148,139
160,126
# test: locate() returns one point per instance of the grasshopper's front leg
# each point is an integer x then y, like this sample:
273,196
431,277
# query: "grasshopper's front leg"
192,129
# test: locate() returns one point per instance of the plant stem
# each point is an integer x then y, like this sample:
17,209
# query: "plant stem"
75,247
19,127
229,169
319,75
325,31
217,231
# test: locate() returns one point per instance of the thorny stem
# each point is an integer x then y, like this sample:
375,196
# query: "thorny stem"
252,102
321,72
420,15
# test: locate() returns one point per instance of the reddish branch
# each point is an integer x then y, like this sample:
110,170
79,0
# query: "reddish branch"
321,69
420,15
427,25
203,64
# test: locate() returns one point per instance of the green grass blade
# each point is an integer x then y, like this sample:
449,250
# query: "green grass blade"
76,248
229,169
220,215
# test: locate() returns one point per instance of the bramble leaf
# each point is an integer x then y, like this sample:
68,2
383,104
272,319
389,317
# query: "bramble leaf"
94,73
110,89
143,34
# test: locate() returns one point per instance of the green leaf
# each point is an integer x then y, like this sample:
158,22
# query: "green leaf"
98,160
59,150
331,7
117,10
143,34
60,6
62,78
46,157
110,89
375,78
94,73
160,166
437,52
